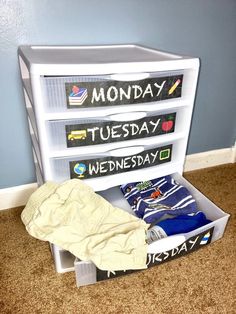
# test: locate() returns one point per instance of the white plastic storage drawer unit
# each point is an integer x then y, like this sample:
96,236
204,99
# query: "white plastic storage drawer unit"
107,113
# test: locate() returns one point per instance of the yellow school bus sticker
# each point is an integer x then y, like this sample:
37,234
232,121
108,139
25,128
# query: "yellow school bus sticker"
77,135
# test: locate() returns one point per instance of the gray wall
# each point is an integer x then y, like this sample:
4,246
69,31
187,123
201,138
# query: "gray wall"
203,28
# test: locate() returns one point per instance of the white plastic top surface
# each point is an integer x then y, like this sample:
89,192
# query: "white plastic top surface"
93,54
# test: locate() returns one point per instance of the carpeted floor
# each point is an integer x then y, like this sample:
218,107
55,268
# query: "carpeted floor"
201,282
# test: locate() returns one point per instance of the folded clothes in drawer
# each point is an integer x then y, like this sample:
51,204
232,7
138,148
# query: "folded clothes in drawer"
64,134
218,217
152,200
77,92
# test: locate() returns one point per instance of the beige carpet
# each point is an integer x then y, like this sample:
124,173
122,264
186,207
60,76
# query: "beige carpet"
201,282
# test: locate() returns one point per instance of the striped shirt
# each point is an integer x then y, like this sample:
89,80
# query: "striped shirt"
151,200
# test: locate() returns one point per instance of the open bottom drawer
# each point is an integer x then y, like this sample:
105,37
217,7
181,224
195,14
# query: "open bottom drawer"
212,212
87,273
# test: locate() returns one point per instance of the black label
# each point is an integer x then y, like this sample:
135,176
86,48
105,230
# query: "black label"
111,93
112,131
192,244
98,167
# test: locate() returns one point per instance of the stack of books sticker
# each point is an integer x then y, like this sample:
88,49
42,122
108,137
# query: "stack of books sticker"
77,96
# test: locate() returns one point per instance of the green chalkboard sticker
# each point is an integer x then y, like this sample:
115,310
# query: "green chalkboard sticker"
165,154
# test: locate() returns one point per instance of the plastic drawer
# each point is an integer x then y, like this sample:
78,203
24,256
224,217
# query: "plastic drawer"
85,272
100,170
219,217
69,134
77,92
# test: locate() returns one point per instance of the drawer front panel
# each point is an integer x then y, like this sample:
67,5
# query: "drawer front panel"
113,131
113,162
109,165
76,133
111,93
102,91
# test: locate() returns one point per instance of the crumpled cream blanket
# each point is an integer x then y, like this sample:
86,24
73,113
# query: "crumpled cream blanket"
72,216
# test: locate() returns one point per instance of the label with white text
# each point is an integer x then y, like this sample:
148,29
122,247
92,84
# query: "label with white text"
190,245
112,131
111,93
103,166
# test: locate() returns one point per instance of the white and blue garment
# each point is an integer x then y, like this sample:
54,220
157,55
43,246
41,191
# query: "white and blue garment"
151,200
177,225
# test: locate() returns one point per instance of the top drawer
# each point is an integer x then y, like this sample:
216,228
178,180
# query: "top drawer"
78,92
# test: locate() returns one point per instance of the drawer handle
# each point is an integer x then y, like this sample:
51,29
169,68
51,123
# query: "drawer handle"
127,116
166,244
126,151
129,77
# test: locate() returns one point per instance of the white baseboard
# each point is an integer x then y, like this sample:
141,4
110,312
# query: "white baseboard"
209,159
19,195
16,195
